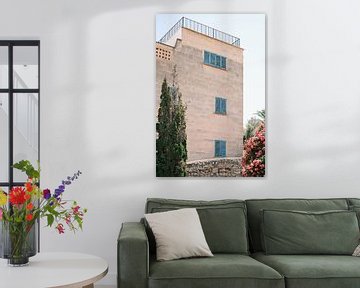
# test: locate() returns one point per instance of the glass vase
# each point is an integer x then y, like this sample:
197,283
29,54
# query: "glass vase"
18,242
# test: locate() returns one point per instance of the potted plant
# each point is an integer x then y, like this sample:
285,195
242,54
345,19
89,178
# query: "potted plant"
21,208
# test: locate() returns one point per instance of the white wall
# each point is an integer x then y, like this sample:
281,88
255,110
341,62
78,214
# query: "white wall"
97,105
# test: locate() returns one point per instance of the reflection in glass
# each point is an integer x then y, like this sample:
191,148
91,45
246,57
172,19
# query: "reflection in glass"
4,67
4,137
26,130
26,67
5,189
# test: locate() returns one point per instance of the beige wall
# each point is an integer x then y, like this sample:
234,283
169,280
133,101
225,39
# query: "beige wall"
199,85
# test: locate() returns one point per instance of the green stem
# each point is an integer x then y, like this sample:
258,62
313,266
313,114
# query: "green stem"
18,237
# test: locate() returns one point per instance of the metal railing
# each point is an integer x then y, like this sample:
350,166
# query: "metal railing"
202,29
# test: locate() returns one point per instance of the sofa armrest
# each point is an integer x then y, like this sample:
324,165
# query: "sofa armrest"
133,256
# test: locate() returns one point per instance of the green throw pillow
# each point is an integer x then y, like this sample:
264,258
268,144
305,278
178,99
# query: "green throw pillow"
224,222
356,209
299,232
225,229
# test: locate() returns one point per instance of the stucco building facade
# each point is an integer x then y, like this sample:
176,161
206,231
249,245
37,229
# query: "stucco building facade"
209,66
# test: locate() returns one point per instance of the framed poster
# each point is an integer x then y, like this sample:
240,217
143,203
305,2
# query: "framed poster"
210,95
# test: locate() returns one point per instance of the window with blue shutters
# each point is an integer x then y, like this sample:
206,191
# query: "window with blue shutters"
214,60
220,105
220,148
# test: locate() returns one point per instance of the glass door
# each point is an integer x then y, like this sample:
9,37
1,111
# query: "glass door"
19,109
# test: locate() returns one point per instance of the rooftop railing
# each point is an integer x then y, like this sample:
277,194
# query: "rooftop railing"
202,29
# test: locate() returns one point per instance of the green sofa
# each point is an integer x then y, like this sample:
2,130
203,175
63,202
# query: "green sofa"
234,232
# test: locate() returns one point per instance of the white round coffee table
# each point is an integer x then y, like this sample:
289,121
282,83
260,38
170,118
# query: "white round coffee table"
45,270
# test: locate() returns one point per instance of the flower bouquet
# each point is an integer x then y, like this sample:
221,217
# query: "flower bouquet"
21,208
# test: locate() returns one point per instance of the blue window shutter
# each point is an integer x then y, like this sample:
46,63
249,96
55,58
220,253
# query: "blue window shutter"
213,59
206,57
217,105
217,148
218,60
223,62
220,148
223,148
222,105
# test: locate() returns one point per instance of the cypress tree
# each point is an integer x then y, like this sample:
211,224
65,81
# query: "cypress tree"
163,132
171,150
178,132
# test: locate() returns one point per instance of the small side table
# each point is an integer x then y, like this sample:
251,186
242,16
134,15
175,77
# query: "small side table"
50,270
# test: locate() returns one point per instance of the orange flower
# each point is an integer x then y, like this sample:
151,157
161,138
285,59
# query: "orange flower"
29,206
27,196
29,217
29,187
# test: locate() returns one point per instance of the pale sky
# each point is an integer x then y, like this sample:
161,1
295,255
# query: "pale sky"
250,28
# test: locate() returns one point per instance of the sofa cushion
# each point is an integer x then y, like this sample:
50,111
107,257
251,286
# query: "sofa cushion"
183,240
297,232
313,271
223,221
254,206
222,270
353,201
356,209
354,205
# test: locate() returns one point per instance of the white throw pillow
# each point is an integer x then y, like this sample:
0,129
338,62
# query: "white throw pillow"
178,234
357,251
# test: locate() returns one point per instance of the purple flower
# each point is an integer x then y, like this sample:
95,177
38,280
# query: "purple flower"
46,194
64,183
58,192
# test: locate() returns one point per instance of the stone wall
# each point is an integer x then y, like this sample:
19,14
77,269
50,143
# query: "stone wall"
229,167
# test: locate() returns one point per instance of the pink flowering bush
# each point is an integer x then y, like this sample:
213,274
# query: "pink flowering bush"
253,160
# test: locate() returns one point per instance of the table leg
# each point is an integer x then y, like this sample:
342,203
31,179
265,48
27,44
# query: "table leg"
89,286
